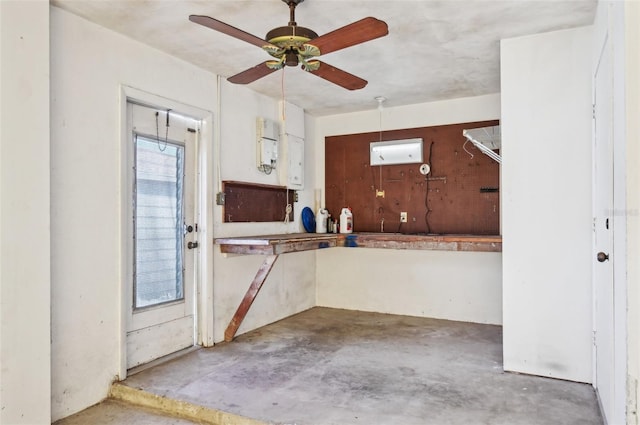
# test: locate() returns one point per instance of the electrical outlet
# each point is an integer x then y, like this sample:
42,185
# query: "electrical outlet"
403,217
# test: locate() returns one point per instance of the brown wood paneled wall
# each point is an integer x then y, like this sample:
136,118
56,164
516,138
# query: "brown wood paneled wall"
459,196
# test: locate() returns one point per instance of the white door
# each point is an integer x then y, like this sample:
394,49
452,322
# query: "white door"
161,316
603,255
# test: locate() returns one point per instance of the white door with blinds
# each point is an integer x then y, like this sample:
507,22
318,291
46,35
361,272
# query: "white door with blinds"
163,233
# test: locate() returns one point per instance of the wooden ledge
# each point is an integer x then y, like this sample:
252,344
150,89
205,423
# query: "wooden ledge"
296,242
276,244
471,243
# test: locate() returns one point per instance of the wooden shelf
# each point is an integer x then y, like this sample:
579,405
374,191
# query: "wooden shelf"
470,243
282,244
276,244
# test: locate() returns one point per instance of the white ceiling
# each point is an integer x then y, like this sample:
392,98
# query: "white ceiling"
435,50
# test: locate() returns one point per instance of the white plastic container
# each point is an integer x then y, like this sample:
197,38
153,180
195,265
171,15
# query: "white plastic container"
346,221
321,220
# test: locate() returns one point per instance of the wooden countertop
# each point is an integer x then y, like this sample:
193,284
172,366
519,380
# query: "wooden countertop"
425,242
296,242
276,244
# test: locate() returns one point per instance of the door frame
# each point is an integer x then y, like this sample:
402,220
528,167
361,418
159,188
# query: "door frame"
204,217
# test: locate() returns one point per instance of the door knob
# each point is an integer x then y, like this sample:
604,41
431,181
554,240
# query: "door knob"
602,257
191,245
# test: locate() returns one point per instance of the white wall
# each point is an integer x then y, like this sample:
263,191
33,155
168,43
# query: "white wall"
546,204
89,65
290,287
24,213
449,285
464,286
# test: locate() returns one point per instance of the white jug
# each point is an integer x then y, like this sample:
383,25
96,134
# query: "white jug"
321,220
346,221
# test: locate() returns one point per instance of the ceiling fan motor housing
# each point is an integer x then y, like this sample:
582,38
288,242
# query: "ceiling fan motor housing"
293,34
290,39
290,36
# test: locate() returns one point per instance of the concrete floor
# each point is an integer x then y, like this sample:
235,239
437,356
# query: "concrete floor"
327,366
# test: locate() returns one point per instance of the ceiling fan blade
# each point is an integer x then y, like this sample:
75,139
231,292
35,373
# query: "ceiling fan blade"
214,24
252,74
335,75
358,32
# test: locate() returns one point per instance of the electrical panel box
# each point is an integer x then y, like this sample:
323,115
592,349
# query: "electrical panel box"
267,153
292,161
268,135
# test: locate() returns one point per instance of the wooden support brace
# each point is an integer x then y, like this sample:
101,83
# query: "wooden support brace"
253,290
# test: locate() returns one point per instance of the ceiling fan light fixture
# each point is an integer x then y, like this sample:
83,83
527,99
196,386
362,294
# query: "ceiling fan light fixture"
310,66
291,58
279,64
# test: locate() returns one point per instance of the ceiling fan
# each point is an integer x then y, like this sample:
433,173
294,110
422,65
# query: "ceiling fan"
293,45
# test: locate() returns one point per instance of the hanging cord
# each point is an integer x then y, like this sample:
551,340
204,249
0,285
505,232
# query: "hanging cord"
287,209
283,112
465,149
380,101
217,145
373,177
381,212
166,135
426,198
